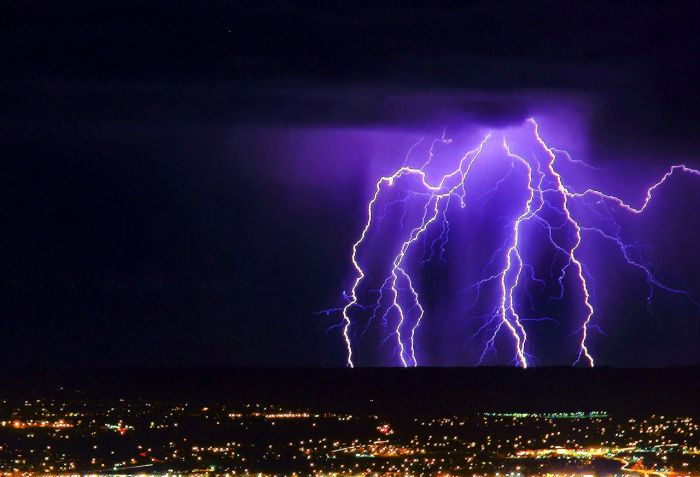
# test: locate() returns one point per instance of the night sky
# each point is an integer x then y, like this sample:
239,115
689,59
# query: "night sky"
183,181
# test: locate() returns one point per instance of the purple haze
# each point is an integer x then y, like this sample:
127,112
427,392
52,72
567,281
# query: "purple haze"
497,246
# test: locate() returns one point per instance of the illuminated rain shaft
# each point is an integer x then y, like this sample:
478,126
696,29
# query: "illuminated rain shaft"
543,200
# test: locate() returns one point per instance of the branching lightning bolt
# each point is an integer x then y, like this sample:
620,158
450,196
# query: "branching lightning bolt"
547,196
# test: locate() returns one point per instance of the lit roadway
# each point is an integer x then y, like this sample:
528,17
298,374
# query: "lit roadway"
645,472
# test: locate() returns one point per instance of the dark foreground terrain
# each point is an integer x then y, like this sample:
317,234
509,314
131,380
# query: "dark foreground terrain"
433,391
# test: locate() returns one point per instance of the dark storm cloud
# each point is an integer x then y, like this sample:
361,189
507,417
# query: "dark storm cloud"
222,104
352,63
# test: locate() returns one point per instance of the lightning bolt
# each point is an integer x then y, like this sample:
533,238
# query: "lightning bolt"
438,194
573,259
547,196
650,191
509,317
567,194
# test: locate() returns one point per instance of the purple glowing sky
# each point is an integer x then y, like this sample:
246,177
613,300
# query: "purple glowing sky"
497,235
